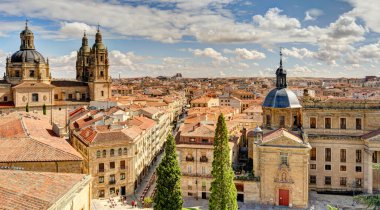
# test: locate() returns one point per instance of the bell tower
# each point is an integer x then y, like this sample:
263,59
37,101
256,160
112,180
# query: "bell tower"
99,79
83,60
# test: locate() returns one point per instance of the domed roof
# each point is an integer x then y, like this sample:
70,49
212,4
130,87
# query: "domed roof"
26,31
27,56
281,98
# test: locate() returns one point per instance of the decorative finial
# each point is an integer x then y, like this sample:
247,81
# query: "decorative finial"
26,23
84,32
281,56
98,27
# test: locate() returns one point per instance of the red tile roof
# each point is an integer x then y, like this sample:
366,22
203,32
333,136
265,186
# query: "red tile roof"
34,190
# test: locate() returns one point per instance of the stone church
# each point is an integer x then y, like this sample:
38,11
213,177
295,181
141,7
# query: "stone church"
323,145
28,82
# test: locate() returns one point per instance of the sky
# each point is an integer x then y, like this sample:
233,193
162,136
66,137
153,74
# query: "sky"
202,38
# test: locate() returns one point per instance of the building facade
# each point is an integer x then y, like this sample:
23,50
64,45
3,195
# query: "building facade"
28,82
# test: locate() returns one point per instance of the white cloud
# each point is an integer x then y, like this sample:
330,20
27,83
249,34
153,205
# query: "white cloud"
368,10
312,14
245,54
211,53
76,29
299,53
273,20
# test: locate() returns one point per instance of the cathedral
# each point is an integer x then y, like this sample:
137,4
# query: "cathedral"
28,82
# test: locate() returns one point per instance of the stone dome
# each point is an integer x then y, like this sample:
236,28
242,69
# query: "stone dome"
27,56
281,98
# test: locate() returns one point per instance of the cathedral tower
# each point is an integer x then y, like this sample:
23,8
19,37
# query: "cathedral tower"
83,61
99,80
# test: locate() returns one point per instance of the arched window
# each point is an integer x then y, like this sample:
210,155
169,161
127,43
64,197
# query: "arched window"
98,154
125,151
112,152
120,151
104,153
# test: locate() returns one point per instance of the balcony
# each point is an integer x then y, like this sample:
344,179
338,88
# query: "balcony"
190,158
203,159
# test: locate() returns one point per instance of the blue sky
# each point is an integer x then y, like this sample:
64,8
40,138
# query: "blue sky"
203,38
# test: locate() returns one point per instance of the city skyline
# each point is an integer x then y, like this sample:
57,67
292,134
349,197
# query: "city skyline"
204,39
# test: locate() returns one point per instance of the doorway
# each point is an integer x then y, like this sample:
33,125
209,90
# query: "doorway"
122,190
283,197
204,195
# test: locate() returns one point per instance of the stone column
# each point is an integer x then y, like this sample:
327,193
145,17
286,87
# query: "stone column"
368,173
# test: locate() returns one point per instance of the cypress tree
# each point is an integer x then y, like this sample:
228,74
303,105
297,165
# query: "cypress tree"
44,109
168,195
223,191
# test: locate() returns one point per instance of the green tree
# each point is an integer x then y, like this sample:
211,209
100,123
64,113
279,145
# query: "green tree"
44,109
223,191
372,201
168,196
27,107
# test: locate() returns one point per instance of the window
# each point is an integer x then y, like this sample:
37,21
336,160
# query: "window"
98,154
358,182
204,140
358,156
101,58
343,168
328,167
343,181
104,153
70,96
327,180
83,96
31,73
342,155
189,169
313,179
112,165
125,151
56,96
112,190
282,121
268,120
203,170
358,123
101,167
203,185
358,169
284,158
313,122
102,93
122,176
342,123
120,151
122,164
101,74
112,179
327,123
5,98
17,73
101,179
112,152
313,154
295,121
313,166
374,157
101,193
192,140
35,97
328,154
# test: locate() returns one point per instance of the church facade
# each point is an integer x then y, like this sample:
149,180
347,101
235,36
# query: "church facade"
28,81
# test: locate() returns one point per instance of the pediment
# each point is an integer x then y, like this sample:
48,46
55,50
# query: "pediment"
283,138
